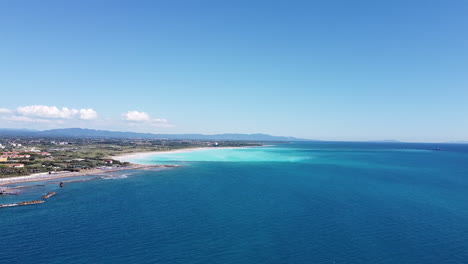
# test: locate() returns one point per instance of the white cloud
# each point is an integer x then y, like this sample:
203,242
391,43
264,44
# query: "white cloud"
47,111
43,116
136,116
44,111
5,111
88,114
144,119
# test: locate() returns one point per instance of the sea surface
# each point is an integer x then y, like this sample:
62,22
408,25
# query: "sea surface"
319,202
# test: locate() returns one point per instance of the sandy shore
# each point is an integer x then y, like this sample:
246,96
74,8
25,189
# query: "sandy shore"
139,155
97,171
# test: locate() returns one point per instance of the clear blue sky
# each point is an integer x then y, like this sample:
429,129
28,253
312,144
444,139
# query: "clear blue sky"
331,70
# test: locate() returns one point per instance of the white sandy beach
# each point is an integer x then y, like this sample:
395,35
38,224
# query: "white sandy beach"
65,174
139,155
123,158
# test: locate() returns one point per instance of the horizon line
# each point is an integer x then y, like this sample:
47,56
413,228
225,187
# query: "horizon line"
257,133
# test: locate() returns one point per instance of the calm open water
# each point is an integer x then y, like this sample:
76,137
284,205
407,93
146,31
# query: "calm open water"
293,203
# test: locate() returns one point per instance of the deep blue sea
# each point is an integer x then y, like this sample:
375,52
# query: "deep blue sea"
321,202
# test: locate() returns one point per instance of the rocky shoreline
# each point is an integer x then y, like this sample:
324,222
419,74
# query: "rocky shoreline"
59,175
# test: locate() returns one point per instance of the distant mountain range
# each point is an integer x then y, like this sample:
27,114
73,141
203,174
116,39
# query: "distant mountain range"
385,141
80,132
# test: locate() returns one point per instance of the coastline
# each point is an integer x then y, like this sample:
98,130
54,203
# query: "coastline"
96,171
138,155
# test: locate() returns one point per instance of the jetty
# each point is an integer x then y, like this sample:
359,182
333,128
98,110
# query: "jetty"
22,203
48,195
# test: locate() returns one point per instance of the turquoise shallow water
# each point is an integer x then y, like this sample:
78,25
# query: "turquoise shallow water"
293,203
253,154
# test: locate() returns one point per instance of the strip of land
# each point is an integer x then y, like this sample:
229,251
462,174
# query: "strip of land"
23,156
102,170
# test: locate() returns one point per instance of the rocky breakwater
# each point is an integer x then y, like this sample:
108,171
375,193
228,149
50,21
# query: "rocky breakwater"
22,203
48,195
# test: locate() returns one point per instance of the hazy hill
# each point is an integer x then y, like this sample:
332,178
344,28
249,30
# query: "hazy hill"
80,132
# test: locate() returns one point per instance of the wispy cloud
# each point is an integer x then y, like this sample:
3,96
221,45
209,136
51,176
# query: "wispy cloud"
137,118
16,118
5,111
